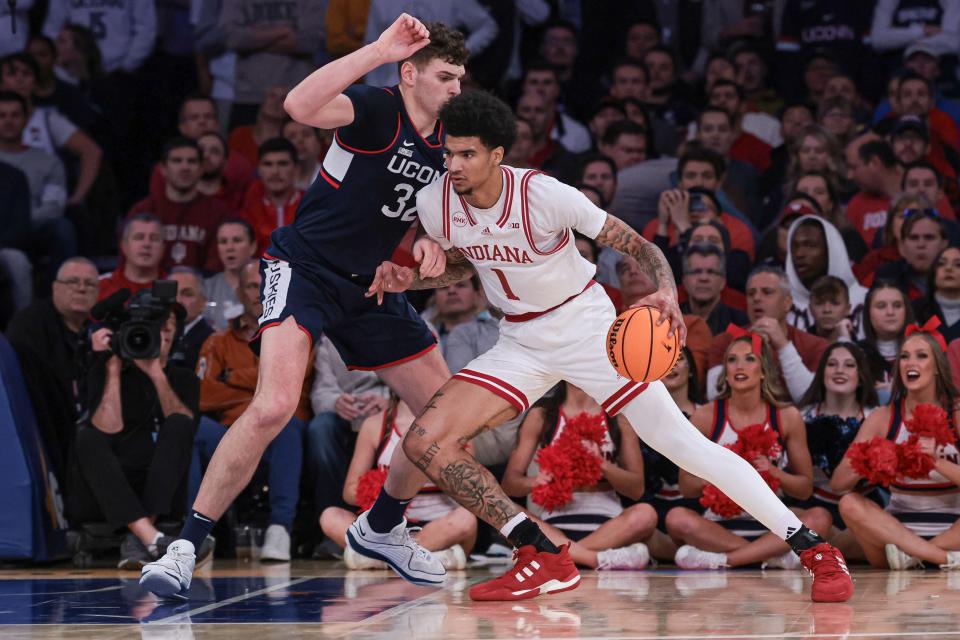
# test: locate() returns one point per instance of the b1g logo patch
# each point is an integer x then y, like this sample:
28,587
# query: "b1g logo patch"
460,219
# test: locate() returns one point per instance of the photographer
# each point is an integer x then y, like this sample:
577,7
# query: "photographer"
133,452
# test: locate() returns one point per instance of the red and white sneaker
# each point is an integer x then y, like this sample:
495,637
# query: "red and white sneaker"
831,578
534,573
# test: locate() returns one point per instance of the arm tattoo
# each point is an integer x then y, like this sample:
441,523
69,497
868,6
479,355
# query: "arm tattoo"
458,268
616,234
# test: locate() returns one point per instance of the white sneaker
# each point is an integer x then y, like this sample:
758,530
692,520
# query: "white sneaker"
636,556
452,558
689,557
354,560
953,561
276,544
788,561
899,560
411,561
169,577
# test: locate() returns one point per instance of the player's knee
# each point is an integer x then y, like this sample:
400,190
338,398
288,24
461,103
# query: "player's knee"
414,444
818,519
274,409
680,522
852,506
464,523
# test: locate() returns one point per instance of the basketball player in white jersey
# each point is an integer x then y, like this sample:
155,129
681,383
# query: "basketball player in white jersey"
515,228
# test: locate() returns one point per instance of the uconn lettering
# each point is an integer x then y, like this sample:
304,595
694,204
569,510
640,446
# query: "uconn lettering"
411,169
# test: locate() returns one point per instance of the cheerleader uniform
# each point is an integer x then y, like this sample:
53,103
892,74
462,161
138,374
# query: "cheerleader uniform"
828,438
927,506
588,509
430,503
724,434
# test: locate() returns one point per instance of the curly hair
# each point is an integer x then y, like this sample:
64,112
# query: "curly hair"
445,43
480,114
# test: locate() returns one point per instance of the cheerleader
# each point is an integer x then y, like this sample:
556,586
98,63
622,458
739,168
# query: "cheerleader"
749,393
440,524
602,533
841,395
920,523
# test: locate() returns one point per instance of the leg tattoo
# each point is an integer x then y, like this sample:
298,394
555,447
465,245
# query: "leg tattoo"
469,483
423,462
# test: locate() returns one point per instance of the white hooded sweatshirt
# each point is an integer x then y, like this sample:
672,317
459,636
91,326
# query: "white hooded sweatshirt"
838,265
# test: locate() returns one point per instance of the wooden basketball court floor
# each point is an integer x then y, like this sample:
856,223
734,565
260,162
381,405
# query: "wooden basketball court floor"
246,600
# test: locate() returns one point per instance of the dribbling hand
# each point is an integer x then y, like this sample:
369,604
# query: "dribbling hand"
665,302
389,278
402,39
431,258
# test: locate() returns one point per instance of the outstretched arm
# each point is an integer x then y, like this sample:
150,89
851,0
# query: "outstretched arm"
618,235
393,278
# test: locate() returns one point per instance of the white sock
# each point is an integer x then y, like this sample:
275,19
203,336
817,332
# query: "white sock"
660,423
512,523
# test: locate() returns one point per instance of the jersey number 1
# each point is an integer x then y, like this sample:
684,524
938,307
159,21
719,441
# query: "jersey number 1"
506,285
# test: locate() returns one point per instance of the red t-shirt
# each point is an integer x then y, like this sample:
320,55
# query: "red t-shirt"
868,214
241,142
752,150
189,230
238,173
112,282
740,236
266,216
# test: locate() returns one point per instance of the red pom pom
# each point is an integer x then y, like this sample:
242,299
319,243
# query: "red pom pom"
718,502
912,462
569,462
368,488
874,459
931,421
753,441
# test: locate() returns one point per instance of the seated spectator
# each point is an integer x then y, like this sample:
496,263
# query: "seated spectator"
310,151
545,153
51,91
924,61
942,299
213,153
842,85
454,304
341,401
601,533
132,452
701,167
768,304
245,140
47,129
924,237
50,234
600,172
625,143
666,93
273,198
447,529
830,308
628,79
911,143
198,115
236,245
923,178
773,245
873,167
728,96
920,522
885,319
889,242
841,396
737,262
603,114
752,69
543,78
750,394
823,188
794,119
49,338
837,116
815,149
141,251
190,218
715,133
704,278
196,329
228,371
915,97
815,249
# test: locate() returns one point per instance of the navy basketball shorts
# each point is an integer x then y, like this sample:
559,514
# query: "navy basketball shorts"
368,336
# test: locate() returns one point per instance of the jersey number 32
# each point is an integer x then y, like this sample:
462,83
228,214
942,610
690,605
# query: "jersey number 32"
400,210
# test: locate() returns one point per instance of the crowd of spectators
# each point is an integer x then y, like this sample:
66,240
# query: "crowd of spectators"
797,162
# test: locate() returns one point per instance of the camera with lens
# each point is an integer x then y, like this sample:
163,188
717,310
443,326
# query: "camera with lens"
136,327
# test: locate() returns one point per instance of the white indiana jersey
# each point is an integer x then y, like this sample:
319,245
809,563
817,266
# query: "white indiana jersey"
522,247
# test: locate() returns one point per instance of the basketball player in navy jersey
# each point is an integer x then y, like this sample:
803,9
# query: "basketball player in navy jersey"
386,147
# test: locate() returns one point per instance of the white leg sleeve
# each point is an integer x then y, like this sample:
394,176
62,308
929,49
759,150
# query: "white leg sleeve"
660,423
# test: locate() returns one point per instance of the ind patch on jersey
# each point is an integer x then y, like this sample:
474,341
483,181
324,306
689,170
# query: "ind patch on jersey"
276,283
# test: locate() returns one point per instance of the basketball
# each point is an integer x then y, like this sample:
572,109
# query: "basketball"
639,349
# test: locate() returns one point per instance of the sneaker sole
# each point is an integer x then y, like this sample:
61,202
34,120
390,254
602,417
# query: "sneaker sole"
550,586
833,597
163,585
370,553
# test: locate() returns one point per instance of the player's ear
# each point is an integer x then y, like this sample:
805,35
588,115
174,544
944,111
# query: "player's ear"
408,72
497,155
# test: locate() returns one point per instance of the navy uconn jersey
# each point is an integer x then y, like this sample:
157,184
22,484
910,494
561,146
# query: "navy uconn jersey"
363,202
